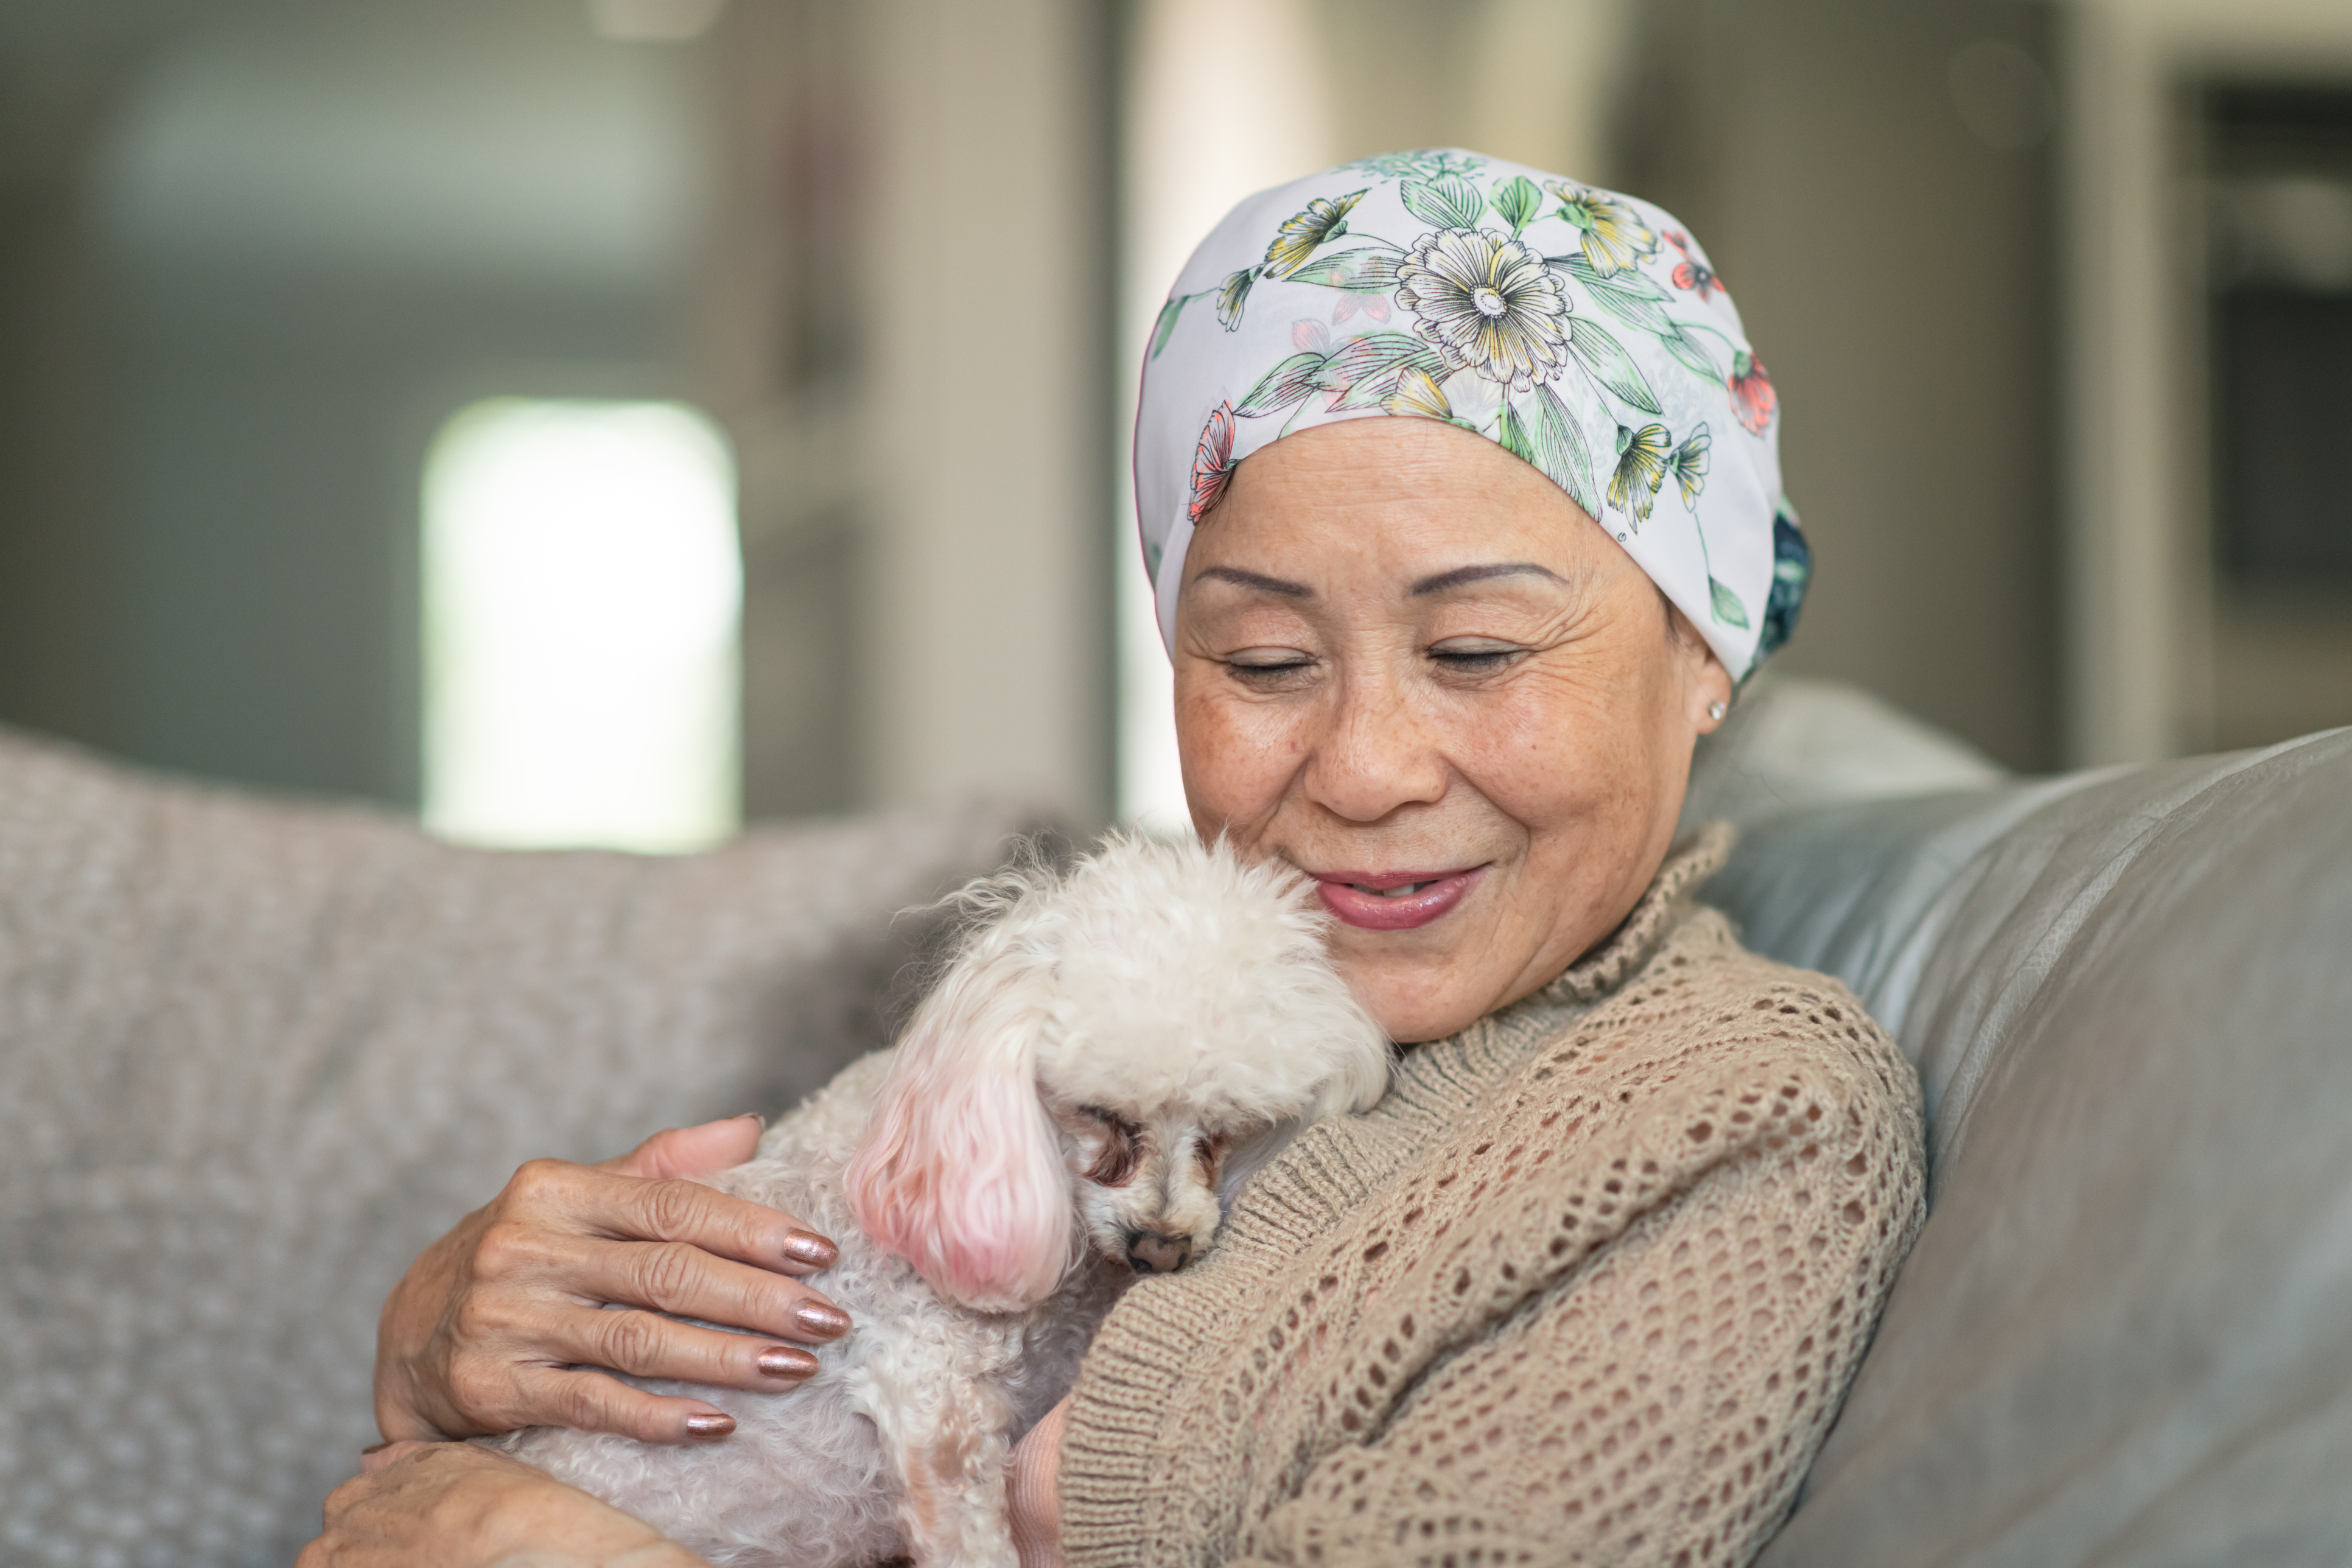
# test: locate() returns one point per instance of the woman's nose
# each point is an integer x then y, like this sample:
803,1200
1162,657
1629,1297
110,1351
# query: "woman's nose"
1374,754
1157,1251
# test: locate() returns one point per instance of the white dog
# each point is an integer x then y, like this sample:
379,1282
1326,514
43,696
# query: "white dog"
1106,1049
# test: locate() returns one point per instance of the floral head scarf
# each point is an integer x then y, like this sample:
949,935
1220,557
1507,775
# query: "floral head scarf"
1580,330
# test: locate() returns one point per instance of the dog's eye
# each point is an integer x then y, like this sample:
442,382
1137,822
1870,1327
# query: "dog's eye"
1208,1153
1122,1147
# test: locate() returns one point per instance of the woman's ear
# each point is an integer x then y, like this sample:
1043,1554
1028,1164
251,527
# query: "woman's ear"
959,1170
1714,695
1707,684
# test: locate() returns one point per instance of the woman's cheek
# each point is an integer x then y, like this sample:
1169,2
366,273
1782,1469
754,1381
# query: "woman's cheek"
1537,752
1237,757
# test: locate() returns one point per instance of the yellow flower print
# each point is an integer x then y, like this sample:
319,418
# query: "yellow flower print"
1324,218
1613,237
1641,469
1417,393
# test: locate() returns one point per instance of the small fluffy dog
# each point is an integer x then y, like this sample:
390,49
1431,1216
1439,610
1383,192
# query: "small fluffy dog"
1107,1048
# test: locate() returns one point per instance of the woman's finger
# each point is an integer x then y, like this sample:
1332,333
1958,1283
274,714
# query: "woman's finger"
502,1395
644,1344
689,1282
631,1208
520,1277
692,1151
590,1401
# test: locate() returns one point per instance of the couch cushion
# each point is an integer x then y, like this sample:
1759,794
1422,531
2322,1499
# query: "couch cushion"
2122,1337
254,1055
1792,741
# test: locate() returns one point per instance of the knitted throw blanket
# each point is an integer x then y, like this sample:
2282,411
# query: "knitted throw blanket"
1587,1286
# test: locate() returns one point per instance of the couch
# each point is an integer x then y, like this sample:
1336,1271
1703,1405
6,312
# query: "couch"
2125,1334
254,1054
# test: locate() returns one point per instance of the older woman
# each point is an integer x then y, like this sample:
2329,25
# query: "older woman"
1459,489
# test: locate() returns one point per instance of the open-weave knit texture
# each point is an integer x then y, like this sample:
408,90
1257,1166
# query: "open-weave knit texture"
1586,1287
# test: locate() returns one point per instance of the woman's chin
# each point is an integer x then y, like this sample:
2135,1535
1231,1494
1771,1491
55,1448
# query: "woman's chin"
1418,988
1421,1021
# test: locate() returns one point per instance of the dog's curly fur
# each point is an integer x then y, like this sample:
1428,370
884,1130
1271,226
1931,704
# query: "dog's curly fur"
1109,1050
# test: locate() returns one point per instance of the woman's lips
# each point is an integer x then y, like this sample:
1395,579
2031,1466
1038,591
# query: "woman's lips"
1394,900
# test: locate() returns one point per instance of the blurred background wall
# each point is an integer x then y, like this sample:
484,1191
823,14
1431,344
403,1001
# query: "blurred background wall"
2056,293
254,257
1888,224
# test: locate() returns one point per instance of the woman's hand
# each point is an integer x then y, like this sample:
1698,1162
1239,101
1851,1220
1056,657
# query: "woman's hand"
457,1505
500,1324
1033,1495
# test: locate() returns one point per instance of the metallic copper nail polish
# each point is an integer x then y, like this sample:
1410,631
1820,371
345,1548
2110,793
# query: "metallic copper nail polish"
829,1322
786,1361
807,1246
708,1427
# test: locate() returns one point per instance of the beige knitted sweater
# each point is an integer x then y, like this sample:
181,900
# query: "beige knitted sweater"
1586,1287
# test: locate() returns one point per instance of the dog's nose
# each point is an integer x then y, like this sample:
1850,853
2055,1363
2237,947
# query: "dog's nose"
1156,1252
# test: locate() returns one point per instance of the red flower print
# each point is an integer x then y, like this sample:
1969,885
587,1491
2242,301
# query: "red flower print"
1753,397
1693,273
1212,461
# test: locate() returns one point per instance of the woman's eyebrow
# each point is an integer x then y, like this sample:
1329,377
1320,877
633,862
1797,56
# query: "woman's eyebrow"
1465,575
1258,580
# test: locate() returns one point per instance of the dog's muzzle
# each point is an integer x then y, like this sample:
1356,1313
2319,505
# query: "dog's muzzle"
1157,1252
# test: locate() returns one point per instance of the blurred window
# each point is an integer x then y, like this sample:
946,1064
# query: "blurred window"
582,586
2281,181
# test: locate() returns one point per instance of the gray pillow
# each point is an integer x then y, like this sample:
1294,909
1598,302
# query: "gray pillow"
2125,1336
254,1055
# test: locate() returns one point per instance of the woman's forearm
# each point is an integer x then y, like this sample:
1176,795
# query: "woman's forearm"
460,1505
660,1555
1033,1493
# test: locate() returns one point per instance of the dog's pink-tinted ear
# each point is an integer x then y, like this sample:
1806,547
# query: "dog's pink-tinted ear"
959,1170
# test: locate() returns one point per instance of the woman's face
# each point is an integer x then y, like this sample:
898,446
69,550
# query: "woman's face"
1407,663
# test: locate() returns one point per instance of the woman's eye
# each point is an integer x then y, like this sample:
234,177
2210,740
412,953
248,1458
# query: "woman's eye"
1475,655
1269,669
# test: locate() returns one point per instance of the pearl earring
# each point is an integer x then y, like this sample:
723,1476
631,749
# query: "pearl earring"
1715,711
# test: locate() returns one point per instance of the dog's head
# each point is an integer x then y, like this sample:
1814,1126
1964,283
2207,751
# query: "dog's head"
1146,1181
1106,1047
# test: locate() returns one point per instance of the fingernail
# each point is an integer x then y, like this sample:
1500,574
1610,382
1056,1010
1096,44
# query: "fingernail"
377,1447
784,1361
708,1427
754,1116
807,1246
830,1322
